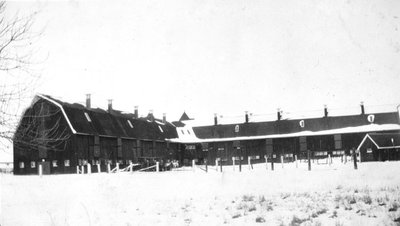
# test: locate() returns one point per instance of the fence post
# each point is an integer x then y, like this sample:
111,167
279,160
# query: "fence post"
220,164
98,168
282,161
240,163
345,158
157,166
272,162
40,170
206,165
108,168
193,165
117,166
77,169
89,168
216,163
295,159
329,159
249,162
341,158
233,163
309,162
266,161
355,159
359,151
83,169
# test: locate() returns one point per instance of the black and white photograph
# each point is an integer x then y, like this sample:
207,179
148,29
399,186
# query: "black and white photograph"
199,112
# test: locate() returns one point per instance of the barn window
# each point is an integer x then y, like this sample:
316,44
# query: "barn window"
55,164
338,153
33,164
254,157
21,165
88,117
162,131
129,123
66,162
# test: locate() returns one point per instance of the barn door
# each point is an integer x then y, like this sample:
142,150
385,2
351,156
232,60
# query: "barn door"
45,167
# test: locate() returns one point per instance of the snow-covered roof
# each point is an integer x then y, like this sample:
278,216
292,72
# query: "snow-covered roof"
186,135
114,123
356,129
224,119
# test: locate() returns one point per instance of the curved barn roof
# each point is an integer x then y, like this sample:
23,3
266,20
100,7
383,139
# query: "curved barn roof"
96,121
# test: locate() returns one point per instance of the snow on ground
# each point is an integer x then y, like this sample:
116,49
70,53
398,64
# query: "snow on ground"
327,195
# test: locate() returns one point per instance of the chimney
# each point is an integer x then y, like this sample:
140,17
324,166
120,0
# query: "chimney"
136,112
88,104
362,108
151,116
279,114
325,111
215,119
246,116
164,117
110,105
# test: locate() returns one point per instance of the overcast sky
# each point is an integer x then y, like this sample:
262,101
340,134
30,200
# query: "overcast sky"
219,56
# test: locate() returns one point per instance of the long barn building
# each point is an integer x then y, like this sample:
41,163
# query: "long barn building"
61,136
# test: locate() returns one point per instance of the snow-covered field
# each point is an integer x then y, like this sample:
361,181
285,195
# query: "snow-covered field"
327,195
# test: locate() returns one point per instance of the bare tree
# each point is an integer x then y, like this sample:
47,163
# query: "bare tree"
17,77
41,128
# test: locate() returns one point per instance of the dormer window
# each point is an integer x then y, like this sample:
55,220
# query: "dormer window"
88,117
162,131
188,132
129,123
182,132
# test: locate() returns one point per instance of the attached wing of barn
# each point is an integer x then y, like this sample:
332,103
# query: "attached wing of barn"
382,140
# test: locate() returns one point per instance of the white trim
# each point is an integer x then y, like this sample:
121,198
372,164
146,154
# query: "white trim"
362,142
62,110
373,141
87,117
130,123
391,147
